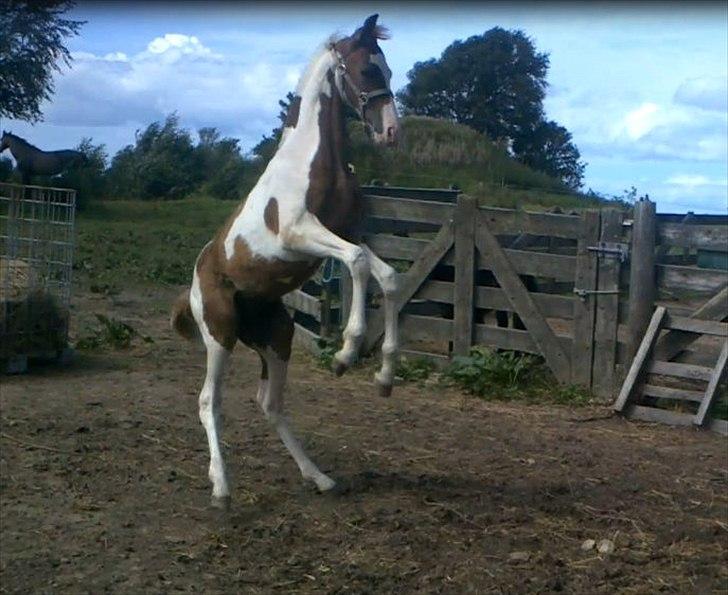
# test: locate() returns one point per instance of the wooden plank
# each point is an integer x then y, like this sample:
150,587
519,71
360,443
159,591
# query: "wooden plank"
673,342
410,282
524,222
523,303
652,414
420,211
707,237
538,264
494,298
665,392
607,309
582,350
513,339
687,279
694,325
687,371
389,246
712,390
641,272
463,295
308,304
717,425
640,358
433,194
424,328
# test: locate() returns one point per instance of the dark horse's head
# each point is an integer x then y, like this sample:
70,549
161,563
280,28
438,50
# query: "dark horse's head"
362,78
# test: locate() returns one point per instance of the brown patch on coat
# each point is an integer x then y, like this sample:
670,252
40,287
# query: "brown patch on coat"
270,215
241,296
333,193
294,109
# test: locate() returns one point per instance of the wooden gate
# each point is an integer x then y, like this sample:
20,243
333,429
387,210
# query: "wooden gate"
551,280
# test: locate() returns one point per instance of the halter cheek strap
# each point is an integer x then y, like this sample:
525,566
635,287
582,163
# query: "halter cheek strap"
341,75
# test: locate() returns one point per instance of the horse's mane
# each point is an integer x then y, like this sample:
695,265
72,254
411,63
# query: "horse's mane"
22,140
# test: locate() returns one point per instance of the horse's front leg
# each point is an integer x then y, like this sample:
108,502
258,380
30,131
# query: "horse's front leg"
309,236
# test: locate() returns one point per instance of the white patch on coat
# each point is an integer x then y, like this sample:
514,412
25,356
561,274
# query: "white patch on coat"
381,62
286,178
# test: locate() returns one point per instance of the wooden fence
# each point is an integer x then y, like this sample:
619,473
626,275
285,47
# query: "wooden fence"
578,289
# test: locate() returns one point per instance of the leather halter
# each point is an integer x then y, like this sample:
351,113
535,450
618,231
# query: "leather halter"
341,73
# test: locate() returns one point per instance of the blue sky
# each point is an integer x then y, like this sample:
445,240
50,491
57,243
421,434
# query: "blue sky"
642,87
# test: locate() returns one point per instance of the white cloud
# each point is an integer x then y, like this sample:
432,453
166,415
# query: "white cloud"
708,93
694,180
175,72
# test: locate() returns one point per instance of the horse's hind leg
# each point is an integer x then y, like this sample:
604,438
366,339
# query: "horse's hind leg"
219,348
275,356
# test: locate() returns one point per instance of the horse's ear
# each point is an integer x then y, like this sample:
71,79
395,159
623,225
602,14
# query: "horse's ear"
367,30
369,24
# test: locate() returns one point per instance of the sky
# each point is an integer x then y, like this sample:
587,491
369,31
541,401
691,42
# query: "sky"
642,87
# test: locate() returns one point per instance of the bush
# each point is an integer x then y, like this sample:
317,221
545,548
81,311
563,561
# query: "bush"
483,370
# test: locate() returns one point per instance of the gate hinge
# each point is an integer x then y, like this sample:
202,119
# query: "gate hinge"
616,249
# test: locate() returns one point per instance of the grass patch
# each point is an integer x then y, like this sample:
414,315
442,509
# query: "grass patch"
415,370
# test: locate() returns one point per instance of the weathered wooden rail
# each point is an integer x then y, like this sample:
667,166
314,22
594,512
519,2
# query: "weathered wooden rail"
578,289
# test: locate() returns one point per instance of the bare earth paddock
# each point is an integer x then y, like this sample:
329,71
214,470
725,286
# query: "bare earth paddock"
104,485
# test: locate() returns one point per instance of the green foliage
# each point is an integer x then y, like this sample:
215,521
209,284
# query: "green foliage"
483,370
512,375
327,350
111,333
162,164
6,169
415,370
32,35
88,178
495,83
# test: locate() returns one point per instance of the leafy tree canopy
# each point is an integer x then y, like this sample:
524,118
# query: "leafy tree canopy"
32,36
496,83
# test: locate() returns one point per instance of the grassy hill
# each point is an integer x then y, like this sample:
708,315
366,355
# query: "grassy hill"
437,153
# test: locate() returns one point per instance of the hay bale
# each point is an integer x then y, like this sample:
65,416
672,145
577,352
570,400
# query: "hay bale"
17,278
35,325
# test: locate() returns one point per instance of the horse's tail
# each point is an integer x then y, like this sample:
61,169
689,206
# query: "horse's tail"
181,318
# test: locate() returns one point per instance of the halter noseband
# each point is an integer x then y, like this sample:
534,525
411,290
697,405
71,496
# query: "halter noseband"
364,97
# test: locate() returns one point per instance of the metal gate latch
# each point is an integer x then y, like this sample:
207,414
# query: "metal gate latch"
584,293
617,249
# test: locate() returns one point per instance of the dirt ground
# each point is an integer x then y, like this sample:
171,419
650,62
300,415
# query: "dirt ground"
104,488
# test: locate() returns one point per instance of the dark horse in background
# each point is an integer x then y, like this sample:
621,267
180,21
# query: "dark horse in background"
31,161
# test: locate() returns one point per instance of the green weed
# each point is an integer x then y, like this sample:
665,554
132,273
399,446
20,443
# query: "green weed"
415,370
111,333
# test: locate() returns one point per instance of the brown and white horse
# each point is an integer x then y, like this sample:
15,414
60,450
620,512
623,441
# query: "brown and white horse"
305,207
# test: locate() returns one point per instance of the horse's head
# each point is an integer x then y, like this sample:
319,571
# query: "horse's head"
4,141
362,78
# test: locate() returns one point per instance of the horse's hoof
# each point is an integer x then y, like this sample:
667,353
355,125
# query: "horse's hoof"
220,502
325,483
385,390
340,368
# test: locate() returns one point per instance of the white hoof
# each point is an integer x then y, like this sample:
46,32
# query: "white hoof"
324,483
221,502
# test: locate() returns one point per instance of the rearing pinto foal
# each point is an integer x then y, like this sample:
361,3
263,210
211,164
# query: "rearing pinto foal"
305,207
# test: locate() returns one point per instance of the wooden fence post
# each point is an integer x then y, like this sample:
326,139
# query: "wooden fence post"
641,273
466,213
607,310
582,347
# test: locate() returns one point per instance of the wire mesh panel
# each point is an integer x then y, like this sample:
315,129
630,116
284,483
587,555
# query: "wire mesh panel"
36,258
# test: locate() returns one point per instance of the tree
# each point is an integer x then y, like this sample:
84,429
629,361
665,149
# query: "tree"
268,145
495,83
87,178
32,35
548,148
